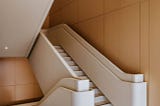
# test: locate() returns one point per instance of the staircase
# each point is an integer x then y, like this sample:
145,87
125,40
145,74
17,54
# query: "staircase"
100,99
62,53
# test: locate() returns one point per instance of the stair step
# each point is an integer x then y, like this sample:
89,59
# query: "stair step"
91,85
57,47
75,68
60,50
63,54
67,59
71,63
99,99
97,91
79,73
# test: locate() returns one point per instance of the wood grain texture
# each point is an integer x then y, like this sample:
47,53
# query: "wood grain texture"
18,84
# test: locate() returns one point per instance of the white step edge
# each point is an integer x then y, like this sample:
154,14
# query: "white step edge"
100,99
63,54
58,47
71,63
75,68
79,73
67,58
60,50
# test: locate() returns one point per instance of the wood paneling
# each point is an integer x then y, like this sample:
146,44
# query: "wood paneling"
17,81
92,31
111,5
125,31
59,4
111,36
114,33
154,93
46,23
89,8
122,38
129,32
144,40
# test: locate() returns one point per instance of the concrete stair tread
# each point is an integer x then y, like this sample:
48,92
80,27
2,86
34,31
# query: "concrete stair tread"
79,73
63,54
75,68
67,58
71,63
60,50
100,98
58,47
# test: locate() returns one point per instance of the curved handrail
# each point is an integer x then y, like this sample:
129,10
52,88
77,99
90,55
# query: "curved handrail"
72,84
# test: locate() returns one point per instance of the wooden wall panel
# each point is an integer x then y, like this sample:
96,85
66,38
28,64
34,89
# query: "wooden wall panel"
154,93
125,31
129,39
46,23
112,36
111,5
122,38
89,8
92,31
119,39
59,4
144,39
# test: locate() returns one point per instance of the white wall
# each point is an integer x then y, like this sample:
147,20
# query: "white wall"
20,22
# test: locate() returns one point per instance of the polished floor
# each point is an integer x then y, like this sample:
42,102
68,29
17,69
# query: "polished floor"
17,82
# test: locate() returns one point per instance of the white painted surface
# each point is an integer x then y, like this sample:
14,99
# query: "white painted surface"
47,65
65,97
119,92
74,91
20,23
69,83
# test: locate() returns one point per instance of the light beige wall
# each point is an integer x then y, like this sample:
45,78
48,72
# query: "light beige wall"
20,23
125,31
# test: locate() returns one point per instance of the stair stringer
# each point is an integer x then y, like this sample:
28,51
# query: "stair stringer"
48,66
